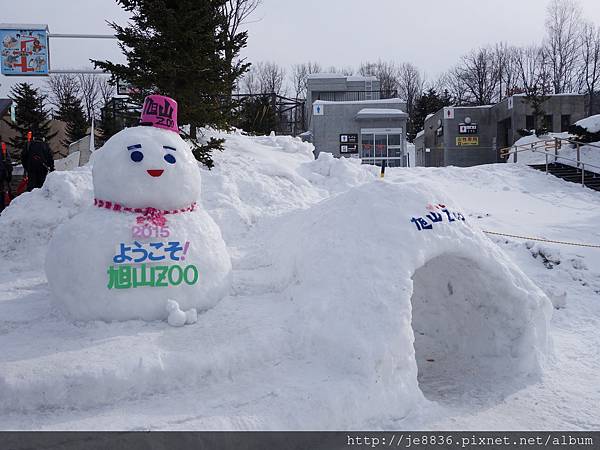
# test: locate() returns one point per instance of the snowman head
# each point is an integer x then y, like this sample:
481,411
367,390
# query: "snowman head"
146,166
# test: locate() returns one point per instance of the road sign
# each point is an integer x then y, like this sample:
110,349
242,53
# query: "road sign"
24,50
318,109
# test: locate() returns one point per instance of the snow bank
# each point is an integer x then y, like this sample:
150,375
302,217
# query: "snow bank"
30,220
591,124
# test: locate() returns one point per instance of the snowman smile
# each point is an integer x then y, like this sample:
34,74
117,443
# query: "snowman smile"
155,172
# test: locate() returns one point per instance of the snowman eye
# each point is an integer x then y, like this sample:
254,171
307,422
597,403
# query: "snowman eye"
168,157
136,156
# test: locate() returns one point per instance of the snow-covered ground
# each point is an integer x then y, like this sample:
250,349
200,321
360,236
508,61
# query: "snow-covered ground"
251,362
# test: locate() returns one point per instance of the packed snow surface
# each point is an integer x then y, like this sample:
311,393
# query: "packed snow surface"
331,282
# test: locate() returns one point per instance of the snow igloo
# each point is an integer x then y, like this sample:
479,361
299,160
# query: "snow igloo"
396,289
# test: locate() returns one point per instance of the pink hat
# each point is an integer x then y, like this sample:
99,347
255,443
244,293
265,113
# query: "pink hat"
161,112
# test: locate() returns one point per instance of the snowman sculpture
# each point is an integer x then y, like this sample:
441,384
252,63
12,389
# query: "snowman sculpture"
146,245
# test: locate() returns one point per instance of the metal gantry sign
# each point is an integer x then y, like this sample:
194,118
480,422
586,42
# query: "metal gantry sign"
24,49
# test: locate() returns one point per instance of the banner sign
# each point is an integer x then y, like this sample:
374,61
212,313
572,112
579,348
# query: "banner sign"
24,52
463,141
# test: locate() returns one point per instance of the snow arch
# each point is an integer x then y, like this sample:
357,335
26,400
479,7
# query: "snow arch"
463,341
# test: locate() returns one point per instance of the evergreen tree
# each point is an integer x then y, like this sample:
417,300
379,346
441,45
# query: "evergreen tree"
71,112
429,103
30,115
183,50
257,115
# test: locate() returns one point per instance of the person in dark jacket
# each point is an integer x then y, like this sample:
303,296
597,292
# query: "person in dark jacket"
5,174
37,161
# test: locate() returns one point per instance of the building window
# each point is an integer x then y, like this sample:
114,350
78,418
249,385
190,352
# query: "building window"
565,122
548,122
529,123
367,145
385,145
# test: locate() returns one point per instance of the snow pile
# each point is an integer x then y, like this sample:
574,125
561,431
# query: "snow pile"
68,163
591,124
30,221
337,174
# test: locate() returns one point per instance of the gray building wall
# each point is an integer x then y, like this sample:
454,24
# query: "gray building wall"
334,87
498,127
340,118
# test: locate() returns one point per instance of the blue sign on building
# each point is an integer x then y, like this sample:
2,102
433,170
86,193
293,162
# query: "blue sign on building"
24,51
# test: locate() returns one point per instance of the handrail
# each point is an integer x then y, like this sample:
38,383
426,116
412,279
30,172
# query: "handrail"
535,146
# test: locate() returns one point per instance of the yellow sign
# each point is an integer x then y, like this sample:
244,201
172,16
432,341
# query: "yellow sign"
467,140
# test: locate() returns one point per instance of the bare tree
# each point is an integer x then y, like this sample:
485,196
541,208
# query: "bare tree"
346,71
236,13
250,84
271,78
385,72
590,57
508,70
410,87
478,71
452,82
61,87
106,89
563,40
533,69
300,73
90,93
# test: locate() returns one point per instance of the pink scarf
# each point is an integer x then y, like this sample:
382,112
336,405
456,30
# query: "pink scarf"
148,216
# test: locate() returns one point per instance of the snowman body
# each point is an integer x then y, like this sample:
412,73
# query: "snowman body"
145,240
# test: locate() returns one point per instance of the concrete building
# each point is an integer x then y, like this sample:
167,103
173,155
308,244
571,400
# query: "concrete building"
472,135
350,116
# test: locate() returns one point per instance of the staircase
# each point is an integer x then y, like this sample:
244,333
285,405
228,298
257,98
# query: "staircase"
572,174
551,151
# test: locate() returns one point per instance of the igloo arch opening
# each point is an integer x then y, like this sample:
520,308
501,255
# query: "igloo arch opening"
467,338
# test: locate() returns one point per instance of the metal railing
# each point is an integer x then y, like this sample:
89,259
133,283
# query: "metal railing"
555,145
353,96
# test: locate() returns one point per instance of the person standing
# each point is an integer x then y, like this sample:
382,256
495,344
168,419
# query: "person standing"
5,175
37,161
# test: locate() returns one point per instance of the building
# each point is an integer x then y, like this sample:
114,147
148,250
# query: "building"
350,116
472,135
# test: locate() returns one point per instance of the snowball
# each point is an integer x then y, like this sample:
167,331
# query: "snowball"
177,317
191,316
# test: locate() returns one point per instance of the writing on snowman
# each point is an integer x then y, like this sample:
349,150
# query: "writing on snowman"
144,264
